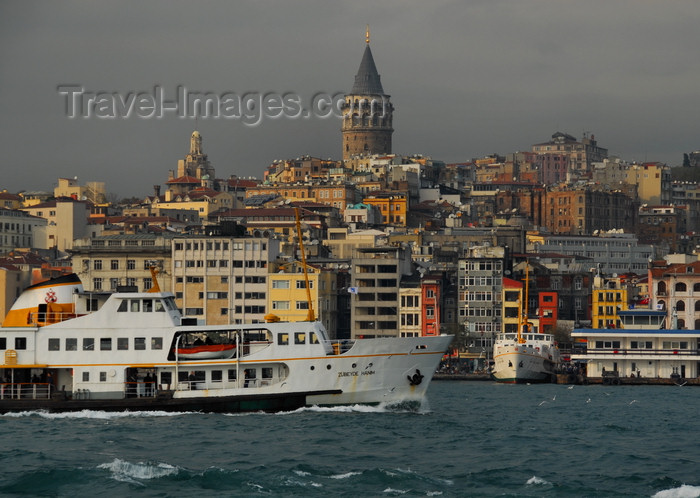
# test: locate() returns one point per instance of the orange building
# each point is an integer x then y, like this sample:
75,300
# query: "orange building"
392,205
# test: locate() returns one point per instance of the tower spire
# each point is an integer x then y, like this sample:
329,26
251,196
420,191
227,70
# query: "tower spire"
367,35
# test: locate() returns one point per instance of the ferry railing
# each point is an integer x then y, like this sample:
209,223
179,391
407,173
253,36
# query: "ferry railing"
140,389
25,390
51,316
642,352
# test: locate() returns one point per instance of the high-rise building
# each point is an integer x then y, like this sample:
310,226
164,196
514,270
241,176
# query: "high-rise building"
367,112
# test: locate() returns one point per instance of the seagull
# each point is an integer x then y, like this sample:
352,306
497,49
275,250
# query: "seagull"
554,398
570,387
588,400
633,401
542,403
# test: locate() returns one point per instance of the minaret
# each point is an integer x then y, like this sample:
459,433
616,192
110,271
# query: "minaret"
367,112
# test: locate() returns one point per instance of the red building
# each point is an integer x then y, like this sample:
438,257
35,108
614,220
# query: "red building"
431,294
547,311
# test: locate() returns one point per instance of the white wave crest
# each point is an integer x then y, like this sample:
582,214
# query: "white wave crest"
534,480
395,491
347,475
684,491
94,414
126,471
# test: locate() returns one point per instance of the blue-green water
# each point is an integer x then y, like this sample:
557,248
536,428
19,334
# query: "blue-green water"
471,439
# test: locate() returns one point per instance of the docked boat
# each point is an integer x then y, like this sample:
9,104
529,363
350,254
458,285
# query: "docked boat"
66,350
526,356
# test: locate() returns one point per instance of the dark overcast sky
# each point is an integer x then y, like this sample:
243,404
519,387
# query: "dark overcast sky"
467,78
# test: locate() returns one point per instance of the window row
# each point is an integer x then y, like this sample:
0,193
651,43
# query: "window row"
105,343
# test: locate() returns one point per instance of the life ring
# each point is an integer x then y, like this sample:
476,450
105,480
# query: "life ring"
416,378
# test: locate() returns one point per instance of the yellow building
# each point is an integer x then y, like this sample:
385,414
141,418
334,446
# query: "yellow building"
287,297
392,205
512,299
202,201
337,194
653,181
608,297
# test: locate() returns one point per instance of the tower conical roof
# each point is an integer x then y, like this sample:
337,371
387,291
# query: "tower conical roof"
367,79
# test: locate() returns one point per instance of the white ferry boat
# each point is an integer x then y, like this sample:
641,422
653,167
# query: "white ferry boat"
65,350
524,357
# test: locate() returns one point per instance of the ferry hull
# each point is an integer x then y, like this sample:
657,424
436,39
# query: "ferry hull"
514,367
271,402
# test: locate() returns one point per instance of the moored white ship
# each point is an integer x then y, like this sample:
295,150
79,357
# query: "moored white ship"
67,350
525,357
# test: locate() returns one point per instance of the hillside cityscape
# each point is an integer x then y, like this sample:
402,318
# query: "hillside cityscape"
396,245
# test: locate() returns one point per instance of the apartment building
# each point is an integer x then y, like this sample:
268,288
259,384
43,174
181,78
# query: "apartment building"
222,279
107,262
376,278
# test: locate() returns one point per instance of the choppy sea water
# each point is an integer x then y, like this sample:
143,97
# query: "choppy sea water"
469,439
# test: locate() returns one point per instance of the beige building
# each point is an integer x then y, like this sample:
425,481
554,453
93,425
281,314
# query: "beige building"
12,281
92,191
342,242
202,201
67,220
410,311
106,262
223,279
20,229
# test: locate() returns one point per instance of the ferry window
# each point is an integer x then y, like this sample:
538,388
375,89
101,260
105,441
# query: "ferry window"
267,373
122,306
105,344
166,378
135,305
159,306
3,343
86,376
249,373
139,343
299,338
88,344
20,343
103,376
539,337
147,305
216,376
54,344
156,343
282,339
314,338
122,343
91,304
232,374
